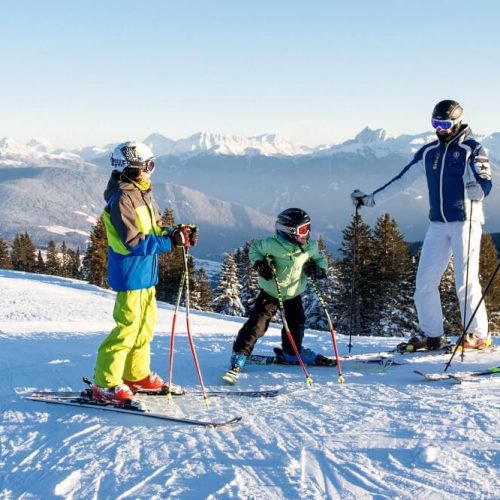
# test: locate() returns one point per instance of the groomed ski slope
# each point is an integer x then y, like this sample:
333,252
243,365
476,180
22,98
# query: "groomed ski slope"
383,434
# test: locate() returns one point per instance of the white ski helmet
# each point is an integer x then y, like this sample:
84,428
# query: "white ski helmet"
134,155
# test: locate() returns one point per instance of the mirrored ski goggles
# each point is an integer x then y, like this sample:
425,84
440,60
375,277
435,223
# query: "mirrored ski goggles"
302,230
442,124
148,165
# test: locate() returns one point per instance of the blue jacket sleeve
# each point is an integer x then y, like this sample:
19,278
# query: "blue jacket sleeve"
152,244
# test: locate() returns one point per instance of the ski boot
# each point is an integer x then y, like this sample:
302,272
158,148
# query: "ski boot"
308,357
120,396
153,384
238,360
471,341
422,343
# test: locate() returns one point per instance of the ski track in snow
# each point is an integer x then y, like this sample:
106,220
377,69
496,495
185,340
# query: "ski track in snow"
382,434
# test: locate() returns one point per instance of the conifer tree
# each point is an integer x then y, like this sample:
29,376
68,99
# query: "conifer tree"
65,260
488,262
95,260
171,267
393,280
75,264
40,264
449,302
227,294
5,260
356,275
52,262
202,291
247,277
315,314
23,253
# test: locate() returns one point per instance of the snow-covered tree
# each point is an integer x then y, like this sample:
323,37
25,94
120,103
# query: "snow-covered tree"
202,291
227,294
247,277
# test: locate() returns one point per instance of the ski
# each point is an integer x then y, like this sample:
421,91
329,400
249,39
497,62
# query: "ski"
384,360
460,376
444,349
259,393
86,402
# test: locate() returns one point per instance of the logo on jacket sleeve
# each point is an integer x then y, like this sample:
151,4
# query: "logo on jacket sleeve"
482,167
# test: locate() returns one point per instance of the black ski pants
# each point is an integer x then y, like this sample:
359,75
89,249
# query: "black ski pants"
258,322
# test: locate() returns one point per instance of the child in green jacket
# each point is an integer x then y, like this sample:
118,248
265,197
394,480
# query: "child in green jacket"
293,256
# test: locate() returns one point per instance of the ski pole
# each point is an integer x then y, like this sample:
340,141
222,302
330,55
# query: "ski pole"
171,353
490,282
188,327
466,281
309,380
332,329
354,271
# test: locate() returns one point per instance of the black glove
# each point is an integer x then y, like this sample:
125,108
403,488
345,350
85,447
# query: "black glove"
314,271
184,235
264,269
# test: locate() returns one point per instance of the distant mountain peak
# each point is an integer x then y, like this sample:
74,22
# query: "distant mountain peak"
368,135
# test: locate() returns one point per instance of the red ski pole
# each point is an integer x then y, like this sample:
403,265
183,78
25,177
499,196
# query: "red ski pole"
309,380
332,330
188,327
171,354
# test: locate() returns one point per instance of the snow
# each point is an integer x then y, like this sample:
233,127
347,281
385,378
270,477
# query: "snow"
63,230
382,434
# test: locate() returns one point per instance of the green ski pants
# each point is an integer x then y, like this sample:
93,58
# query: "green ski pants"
125,352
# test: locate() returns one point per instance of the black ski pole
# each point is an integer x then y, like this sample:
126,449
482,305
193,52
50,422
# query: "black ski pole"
309,380
332,329
354,272
490,282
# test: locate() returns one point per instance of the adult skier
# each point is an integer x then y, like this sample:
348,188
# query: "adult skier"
135,239
458,177
293,256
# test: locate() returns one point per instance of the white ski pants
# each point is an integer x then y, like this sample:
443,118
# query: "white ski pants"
441,241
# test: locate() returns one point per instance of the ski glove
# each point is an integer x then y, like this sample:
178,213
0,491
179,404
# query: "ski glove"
474,191
264,269
184,235
361,199
314,271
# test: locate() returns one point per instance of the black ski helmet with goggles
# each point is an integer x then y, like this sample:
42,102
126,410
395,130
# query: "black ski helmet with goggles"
293,223
447,115
133,155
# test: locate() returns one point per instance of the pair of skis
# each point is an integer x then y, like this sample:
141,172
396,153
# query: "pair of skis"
84,400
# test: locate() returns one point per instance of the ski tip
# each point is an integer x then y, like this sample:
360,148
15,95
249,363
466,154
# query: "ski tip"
216,425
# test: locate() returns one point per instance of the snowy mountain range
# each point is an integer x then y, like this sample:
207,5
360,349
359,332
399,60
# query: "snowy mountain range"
231,186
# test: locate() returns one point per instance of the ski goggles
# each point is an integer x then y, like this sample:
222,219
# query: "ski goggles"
302,230
443,124
148,165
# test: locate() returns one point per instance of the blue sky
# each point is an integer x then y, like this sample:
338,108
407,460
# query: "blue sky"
93,72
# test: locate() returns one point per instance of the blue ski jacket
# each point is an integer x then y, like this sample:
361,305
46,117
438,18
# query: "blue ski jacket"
448,167
135,237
